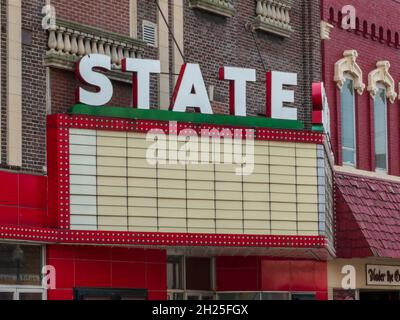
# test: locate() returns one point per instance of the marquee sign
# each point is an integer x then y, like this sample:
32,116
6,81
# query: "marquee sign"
105,179
190,90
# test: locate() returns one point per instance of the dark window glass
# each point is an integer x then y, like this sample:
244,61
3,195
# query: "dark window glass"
275,296
303,296
30,296
348,121
6,296
20,264
198,274
380,130
239,296
109,294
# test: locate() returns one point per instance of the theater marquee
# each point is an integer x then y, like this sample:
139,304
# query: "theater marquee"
111,184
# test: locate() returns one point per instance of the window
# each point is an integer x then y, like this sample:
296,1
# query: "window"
21,293
190,278
380,126
272,296
21,272
303,296
348,123
20,264
109,294
248,296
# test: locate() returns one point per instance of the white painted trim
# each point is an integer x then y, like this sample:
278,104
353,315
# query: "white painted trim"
133,18
14,83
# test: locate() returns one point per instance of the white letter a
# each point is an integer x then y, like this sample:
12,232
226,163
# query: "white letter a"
190,91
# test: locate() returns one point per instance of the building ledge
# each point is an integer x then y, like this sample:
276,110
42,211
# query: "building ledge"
67,62
368,174
69,41
221,7
273,16
269,27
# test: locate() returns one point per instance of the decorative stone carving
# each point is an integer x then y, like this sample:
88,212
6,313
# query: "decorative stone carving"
349,65
68,41
381,75
273,16
221,7
326,30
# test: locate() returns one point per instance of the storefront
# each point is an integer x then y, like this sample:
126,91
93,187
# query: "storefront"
156,204
367,238
204,231
375,279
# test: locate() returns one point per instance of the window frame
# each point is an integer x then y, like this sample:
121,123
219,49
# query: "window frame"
348,76
381,86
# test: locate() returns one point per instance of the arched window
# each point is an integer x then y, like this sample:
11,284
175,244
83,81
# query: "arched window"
331,15
348,118
365,27
357,24
373,31
380,128
389,37
349,80
382,89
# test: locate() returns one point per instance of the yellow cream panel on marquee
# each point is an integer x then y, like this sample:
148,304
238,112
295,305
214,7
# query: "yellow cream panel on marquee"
113,187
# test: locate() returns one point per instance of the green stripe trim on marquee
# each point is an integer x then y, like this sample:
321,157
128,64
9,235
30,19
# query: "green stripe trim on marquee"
188,117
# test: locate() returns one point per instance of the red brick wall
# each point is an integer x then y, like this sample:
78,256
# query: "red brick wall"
107,267
63,85
33,88
111,15
214,41
371,49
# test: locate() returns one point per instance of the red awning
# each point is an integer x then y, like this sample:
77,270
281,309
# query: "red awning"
367,216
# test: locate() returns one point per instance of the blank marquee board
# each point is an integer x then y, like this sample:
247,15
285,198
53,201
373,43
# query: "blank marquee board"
114,188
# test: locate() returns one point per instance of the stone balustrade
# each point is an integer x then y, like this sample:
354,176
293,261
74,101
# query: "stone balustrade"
273,16
221,7
69,41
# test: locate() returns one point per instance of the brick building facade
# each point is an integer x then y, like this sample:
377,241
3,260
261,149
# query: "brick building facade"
282,254
364,59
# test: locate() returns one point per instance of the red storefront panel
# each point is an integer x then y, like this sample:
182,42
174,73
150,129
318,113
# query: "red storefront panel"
106,267
237,273
23,200
272,275
295,276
